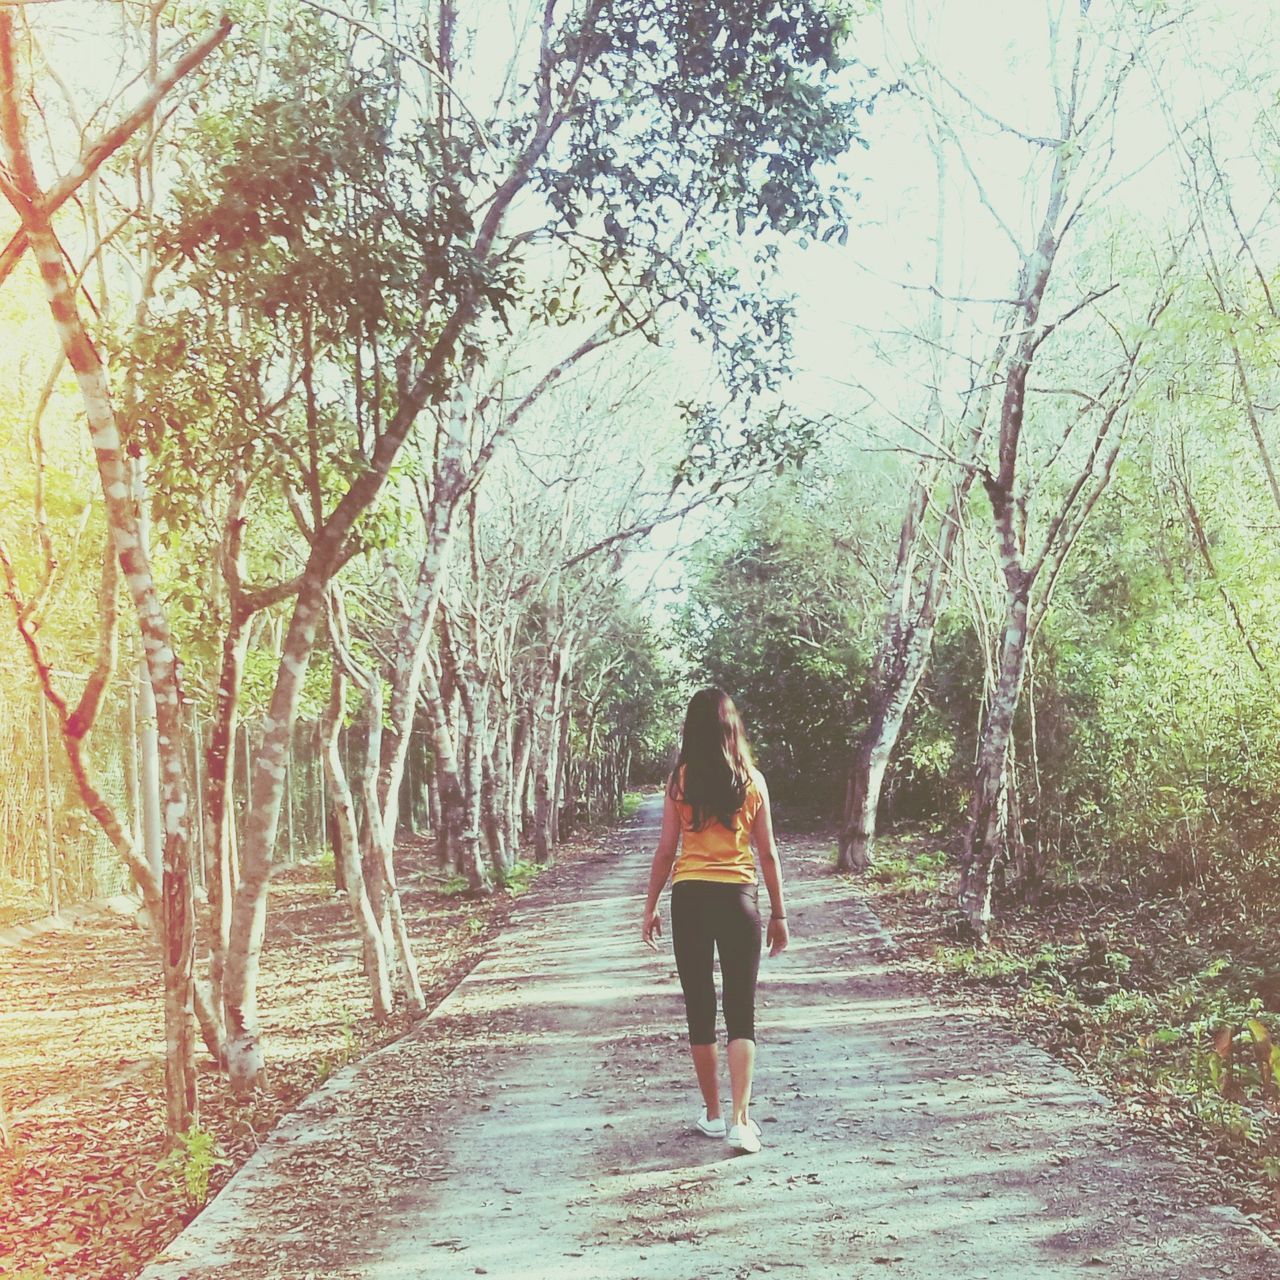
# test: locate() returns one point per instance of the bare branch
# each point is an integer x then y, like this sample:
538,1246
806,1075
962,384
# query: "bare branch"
96,153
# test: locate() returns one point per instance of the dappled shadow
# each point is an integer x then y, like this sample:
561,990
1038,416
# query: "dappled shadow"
897,1134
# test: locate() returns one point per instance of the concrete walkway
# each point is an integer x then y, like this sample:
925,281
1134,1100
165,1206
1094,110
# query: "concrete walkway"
537,1126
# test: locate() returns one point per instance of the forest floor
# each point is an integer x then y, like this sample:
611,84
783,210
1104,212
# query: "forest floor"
538,1125
1131,988
84,1191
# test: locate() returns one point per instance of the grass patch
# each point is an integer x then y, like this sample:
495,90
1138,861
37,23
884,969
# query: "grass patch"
992,964
914,874
455,886
521,876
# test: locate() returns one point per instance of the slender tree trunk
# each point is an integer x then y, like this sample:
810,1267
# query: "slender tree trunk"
245,1059
433,803
371,864
517,800
448,782
471,741
542,802
409,793
499,808
546,783
870,760
178,906
218,807
564,767
345,845
918,593
492,810
472,794
983,833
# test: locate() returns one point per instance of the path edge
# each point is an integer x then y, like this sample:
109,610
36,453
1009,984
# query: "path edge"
203,1242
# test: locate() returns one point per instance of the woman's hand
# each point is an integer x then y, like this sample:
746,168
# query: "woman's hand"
777,935
651,928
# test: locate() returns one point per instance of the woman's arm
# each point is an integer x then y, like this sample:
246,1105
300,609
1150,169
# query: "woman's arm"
777,934
664,857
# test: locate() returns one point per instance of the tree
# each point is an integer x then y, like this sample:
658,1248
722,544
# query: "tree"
1090,63
645,218
782,591
36,203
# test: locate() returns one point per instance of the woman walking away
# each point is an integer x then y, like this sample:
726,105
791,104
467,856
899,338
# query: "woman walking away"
716,807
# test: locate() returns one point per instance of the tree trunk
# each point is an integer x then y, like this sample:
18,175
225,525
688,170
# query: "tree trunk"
472,794
245,1060
433,803
371,865
178,906
218,808
983,843
916,598
518,791
346,843
546,783
492,809
498,822
564,776
448,783
870,759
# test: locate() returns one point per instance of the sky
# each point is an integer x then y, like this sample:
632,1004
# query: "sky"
995,51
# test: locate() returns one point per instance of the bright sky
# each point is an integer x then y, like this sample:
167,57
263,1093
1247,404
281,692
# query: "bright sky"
995,52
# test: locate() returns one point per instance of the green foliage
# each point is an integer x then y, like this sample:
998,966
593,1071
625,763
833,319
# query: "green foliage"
1174,1031
329,223
1159,749
521,877
192,1163
348,1049
638,704
991,963
781,616
915,874
727,108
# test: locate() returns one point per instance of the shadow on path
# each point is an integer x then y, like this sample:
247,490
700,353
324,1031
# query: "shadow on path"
537,1127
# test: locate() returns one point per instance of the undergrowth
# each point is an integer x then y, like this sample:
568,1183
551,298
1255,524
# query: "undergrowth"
519,877
192,1162
1147,996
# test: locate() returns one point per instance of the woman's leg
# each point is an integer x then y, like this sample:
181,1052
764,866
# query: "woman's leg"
706,1063
742,1063
738,942
694,944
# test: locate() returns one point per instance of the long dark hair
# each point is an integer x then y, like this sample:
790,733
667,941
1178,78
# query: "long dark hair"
715,759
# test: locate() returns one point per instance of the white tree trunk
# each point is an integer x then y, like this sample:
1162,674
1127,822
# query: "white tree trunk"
983,835
346,846
177,907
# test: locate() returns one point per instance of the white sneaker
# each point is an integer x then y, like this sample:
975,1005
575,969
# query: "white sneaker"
710,1128
745,1137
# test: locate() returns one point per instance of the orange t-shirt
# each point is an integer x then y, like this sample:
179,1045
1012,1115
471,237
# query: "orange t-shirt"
718,852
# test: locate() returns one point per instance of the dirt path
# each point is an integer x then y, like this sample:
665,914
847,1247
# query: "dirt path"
536,1126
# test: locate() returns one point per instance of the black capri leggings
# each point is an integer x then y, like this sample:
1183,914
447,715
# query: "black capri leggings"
707,914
